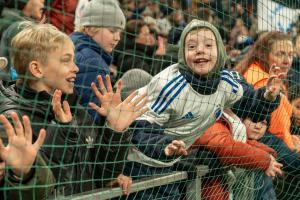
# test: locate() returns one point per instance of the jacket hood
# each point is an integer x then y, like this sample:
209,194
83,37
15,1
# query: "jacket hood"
196,24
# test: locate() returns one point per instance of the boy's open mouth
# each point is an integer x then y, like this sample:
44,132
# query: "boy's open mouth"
71,80
201,61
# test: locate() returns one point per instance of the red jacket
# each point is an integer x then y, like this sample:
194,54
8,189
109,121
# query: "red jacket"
250,155
61,14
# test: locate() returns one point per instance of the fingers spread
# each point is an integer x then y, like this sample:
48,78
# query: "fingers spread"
130,97
27,129
18,125
7,126
108,83
99,110
96,91
119,86
101,84
40,140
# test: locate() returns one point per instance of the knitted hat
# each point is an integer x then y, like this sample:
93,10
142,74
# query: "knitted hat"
102,13
132,80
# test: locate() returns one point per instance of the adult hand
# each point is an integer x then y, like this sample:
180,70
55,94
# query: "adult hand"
20,153
274,83
62,112
177,147
274,168
106,95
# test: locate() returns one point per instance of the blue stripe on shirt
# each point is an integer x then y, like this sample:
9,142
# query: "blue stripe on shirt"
173,97
168,93
163,90
234,86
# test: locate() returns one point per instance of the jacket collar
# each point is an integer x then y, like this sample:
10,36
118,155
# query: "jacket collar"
82,41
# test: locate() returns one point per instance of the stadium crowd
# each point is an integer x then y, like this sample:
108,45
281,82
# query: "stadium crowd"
100,93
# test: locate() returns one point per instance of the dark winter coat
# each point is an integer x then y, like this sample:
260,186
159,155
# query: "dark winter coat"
77,152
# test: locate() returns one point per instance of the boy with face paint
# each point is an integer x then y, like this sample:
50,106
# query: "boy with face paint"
188,97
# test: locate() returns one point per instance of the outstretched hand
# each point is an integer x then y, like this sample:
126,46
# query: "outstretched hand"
62,112
274,168
106,95
177,148
20,153
274,83
119,114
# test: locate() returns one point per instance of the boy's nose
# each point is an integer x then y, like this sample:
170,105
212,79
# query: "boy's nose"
200,49
117,36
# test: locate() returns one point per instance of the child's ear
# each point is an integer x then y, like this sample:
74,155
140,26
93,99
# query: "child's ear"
35,69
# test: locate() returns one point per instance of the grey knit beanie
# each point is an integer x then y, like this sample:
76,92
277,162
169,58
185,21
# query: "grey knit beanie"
103,13
132,80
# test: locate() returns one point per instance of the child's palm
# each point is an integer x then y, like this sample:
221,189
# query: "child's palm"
120,117
20,153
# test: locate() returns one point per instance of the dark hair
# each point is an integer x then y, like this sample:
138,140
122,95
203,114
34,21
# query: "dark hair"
133,28
260,51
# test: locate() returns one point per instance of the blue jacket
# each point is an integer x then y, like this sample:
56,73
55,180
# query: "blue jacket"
92,61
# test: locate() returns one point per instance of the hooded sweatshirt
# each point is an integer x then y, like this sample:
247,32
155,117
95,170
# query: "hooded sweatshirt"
183,105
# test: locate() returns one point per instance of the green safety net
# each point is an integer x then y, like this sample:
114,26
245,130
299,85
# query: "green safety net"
85,158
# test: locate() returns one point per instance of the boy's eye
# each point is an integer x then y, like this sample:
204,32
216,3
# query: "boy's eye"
65,60
191,46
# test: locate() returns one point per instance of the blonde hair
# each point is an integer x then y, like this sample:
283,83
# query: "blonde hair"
35,42
89,29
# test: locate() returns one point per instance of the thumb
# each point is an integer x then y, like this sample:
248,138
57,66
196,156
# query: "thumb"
40,140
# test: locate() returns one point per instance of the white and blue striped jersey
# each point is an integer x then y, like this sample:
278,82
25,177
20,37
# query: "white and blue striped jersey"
182,111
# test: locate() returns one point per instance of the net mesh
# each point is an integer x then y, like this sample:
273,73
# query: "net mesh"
223,118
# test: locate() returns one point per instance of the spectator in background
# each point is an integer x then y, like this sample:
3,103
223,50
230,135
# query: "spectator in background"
61,13
273,48
137,49
12,15
128,7
101,23
296,60
19,11
204,14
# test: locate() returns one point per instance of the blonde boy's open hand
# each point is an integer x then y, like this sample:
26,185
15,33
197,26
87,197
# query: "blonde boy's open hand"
106,95
2,170
62,112
274,168
20,153
274,83
177,148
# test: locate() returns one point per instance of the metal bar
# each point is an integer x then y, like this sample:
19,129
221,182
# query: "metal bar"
139,185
